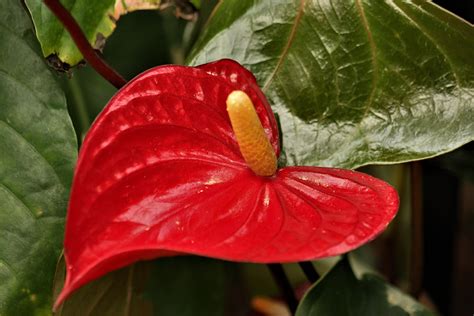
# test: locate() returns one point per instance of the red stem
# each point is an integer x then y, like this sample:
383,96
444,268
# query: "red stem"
90,55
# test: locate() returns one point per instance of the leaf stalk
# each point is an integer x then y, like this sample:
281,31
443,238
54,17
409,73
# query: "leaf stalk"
284,284
309,271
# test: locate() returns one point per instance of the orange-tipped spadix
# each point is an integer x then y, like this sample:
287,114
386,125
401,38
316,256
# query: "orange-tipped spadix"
253,142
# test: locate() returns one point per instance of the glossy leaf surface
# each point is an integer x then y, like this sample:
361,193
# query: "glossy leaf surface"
160,173
184,286
341,293
37,154
354,82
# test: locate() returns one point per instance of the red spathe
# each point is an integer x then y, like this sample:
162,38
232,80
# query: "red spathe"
160,173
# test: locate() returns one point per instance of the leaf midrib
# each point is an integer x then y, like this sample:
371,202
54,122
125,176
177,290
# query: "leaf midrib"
34,149
287,47
17,198
373,54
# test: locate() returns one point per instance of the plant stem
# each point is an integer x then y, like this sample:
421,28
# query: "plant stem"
283,283
309,271
416,257
83,45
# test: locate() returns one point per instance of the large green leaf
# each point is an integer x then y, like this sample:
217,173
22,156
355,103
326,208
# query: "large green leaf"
37,154
184,286
354,82
341,293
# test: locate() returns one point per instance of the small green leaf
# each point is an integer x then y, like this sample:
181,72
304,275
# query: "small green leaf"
96,18
37,154
92,16
354,82
341,293
184,286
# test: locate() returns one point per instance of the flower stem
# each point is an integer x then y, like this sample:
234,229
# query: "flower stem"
283,283
83,45
309,271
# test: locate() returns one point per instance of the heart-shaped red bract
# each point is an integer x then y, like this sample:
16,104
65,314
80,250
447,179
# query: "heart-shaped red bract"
160,173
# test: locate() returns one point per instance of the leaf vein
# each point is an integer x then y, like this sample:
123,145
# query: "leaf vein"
425,33
286,49
17,198
32,147
373,53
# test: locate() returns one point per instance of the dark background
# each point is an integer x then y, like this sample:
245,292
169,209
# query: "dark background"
462,8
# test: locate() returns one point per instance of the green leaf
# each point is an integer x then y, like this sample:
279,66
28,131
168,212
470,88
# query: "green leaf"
96,18
37,154
92,16
354,82
341,293
168,286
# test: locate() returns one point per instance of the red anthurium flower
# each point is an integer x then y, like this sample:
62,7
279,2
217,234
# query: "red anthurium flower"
178,162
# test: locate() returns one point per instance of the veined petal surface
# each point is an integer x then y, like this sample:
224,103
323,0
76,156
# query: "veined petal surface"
160,173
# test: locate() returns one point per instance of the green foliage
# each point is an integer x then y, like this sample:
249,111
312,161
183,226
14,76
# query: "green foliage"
184,286
354,82
340,293
37,154
97,20
92,16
